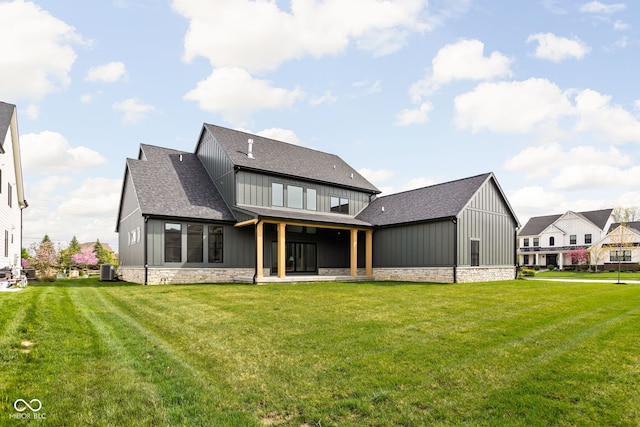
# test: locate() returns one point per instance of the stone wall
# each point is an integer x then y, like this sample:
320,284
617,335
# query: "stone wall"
161,276
415,274
485,274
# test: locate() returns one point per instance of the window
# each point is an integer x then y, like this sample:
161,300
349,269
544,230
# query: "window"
587,238
572,239
215,243
339,205
194,243
294,197
172,242
536,241
621,255
6,243
9,193
475,252
552,241
526,242
311,199
526,260
277,194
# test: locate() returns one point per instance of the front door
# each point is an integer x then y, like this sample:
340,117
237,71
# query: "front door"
301,258
552,259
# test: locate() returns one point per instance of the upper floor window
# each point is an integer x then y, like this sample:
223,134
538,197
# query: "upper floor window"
277,194
552,241
172,242
536,241
526,242
339,205
294,197
311,199
587,238
9,191
572,239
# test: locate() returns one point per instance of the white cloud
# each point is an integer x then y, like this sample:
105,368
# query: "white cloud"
225,32
376,176
410,116
614,123
86,98
534,201
593,176
540,161
133,110
236,94
367,87
284,135
511,107
414,183
37,53
554,48
326,97
621,25
50,152
32,111
601,8
108,73
463,60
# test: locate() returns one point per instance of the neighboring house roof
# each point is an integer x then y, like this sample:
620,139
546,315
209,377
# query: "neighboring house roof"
537,224
281,158
174,183
438,201
6,114
91,245
634,225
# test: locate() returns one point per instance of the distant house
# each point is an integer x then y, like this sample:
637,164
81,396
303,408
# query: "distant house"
247,208
549,240
620,247
12,200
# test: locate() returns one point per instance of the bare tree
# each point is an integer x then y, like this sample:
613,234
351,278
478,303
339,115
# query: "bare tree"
621,244
628,214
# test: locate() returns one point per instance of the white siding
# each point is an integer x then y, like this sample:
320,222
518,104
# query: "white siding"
10,215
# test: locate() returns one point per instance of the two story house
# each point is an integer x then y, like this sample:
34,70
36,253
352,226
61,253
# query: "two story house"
247,208
12,200
549,240
620,248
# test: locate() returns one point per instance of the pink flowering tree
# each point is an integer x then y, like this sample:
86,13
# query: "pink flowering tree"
85,258
579,256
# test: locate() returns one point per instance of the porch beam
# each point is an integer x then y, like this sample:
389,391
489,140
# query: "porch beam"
247,222
354,252
310,224
368,260
259,250
282,259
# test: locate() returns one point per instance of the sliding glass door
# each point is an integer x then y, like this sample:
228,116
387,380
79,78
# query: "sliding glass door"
300,258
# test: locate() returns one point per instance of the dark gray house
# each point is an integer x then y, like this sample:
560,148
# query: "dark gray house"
247,208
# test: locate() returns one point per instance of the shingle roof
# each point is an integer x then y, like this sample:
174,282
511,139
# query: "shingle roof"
537,224
635,225
427,203
6,113
174,183
282,158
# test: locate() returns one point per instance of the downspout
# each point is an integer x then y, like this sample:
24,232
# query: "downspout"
515,250
455,249
255,252
146,264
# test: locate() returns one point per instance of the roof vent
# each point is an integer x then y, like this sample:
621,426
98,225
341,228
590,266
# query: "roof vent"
180,157
250,150
351,175
383,209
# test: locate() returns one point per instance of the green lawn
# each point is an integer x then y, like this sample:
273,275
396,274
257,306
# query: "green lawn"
519,353
604,275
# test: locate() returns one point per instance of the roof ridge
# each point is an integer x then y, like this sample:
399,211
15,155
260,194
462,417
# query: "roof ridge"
435,185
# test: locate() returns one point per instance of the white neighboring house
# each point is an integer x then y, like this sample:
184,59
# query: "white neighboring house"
549,240
12,200
621,246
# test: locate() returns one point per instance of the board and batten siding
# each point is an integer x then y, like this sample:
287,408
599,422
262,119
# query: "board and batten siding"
218,166
238,245
428,244
130,253
254,189
487,219
10,212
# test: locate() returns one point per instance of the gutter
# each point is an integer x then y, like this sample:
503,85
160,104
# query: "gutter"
455,249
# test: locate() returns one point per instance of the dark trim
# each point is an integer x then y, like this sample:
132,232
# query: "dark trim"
146,260
455,249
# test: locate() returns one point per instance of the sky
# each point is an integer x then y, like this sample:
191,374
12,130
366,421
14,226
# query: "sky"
543,93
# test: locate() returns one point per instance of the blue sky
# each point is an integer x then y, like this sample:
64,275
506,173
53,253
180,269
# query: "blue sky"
410,92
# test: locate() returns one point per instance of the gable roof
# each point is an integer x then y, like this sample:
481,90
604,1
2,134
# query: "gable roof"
281,158
537,224
174,183
6,114
438,201
634,225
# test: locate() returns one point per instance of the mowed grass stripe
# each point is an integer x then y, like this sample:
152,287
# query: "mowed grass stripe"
188,396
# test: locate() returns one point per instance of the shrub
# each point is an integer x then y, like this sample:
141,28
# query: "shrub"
528,273
536,267
550,267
